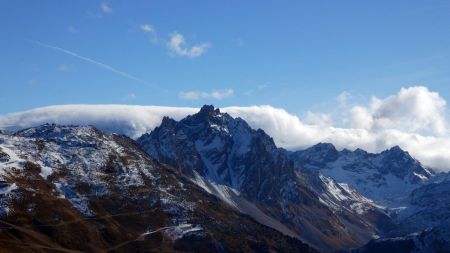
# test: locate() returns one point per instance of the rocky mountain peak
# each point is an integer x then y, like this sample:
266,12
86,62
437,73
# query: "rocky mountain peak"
167,122
325,147
396,152
208,142
208,117
207,113
317,155
209,110
360,151
400,163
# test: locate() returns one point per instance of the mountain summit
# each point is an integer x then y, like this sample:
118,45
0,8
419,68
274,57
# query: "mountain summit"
217,147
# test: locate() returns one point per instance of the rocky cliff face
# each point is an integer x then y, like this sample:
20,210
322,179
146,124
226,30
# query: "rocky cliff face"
242,163
77,189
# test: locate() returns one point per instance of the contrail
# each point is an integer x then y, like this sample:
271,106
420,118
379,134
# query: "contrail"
84,58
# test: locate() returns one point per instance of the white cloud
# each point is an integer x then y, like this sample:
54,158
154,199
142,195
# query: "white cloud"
177,46
215,94
360,117
321,119
424,139
147,28
105,7
414,109
290,132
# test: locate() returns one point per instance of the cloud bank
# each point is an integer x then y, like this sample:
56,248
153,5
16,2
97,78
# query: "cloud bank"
131,120
415,119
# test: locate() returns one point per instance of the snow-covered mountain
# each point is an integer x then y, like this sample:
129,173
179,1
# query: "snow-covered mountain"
387,177
78,189
415,197
243,167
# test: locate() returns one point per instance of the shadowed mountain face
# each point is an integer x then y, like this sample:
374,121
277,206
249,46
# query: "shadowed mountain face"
77,189
243,164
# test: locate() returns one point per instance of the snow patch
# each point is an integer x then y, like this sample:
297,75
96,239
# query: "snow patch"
14,160
225,193
45,171
178,232
422,177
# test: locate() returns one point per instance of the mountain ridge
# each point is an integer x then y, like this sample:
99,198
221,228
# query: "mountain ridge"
384,177
226,151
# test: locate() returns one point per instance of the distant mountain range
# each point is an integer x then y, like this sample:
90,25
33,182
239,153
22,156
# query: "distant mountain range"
211,183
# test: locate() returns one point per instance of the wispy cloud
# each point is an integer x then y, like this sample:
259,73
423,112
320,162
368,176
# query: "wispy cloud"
92,61
147,28
106,8
215,94
150,30
177,46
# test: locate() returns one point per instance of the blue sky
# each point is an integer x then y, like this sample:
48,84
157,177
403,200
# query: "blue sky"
297,55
